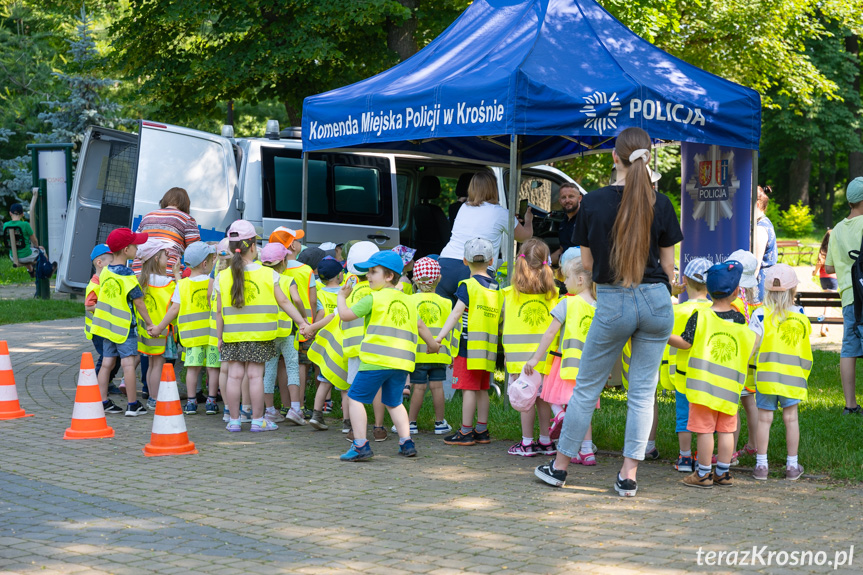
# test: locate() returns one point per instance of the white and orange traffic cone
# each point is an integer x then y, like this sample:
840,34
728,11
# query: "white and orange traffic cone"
88,415
10,408
169,435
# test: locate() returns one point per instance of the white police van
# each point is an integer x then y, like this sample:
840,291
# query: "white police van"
386,198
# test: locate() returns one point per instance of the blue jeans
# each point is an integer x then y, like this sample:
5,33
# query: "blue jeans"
644,314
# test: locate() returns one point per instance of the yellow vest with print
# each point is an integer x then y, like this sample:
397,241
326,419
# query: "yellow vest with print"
157,300
258,319
785,356
112,318
88,315
434,311
525,319
303,276
286,324
579,316
668,367
405,288
328,299
718,359
193,322
353,331
483,318
391,338
327,353
214,311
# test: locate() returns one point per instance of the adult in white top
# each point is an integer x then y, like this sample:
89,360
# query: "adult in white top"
480,217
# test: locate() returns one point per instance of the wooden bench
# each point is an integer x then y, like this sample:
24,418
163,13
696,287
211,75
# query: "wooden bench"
820,299
795,248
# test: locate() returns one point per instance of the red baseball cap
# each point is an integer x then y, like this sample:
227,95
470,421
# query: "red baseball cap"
122,238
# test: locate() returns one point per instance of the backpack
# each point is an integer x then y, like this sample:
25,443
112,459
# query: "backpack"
42,267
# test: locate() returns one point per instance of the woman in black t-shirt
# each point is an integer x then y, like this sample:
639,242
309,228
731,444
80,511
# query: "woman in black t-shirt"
627,234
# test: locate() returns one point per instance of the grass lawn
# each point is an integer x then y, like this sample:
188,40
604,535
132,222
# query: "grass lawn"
10,275
30,310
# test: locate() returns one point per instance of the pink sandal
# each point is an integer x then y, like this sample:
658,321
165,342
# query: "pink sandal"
584,459
556,425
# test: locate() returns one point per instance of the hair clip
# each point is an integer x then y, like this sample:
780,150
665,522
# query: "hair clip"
237,250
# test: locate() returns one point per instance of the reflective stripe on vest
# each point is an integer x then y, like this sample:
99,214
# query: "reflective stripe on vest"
302,275
483,319
157,300
718,360
434,311
785,357
214,310
682,313
579,318
258,320
88,315
112,318
326,352
353,331
525,319
385,345
193,322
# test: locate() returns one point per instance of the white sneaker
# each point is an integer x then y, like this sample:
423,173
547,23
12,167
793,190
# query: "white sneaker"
274,416
296,417
414,429
442,428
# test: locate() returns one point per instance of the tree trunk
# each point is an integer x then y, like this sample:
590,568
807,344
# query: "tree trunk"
855,157
294,116
798,175
831,191
401,36
822,183
230,119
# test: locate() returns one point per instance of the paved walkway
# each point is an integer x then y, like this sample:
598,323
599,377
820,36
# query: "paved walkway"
281,502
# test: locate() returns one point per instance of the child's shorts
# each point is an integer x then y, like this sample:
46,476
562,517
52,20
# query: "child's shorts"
366,384
426,372
702,419
203,356
768,402
128,348
681,408
303,352
468,379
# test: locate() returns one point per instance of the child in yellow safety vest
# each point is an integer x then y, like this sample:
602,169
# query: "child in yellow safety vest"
387,352
114,317
100,257
695,280
248,303
720,345
191,308
478,307
158,287
407,254
783,364
326,351
430,370
526,314
571,319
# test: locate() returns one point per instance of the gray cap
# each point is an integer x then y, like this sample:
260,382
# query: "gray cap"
197,253
747,259
479,250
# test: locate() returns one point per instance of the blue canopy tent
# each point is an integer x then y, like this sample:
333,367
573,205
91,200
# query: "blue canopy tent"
526,82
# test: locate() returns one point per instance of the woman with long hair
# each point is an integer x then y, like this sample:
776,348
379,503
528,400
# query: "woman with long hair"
766,251
627,234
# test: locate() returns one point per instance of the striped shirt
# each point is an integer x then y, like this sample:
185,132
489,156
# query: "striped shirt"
170,224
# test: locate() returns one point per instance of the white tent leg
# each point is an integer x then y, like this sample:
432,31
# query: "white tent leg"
512,203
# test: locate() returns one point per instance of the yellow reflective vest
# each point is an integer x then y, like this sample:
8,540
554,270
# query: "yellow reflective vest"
327,353
785,356
258,319
483,318
668,367
353,331
88,315
286,324
718,359
391,338
193,322
302,275
112,318
157,300
525,319
434,311
579,316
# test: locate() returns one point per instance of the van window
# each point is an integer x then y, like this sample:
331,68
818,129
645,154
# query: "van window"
402,181
343,188
537,189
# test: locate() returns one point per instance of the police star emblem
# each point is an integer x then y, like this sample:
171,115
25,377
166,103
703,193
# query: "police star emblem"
712,186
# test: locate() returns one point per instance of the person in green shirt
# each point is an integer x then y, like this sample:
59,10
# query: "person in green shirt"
26,255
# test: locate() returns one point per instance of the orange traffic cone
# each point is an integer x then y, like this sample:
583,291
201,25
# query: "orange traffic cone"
169,435
88,415
10,408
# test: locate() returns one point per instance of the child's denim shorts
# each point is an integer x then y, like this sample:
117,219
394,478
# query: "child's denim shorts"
128,348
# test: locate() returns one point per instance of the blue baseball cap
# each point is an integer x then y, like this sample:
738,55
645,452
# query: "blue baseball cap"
723,279
99,250
329,268
386,259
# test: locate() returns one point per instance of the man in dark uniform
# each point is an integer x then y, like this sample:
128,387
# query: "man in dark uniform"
570,201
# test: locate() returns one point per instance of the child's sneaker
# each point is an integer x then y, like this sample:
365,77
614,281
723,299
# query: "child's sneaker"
684,464
625,487
135,409
191,407
114,390
317,421
556,425
112,408
284,411
358,453
760,473
346,426
584,459
459,438
211,407
652,454
145,391
413,428
442,427
551,475
270,414
724,480
524,450
307,413
549,449
408,449
263,425
481,437
151,404
693,480
245,416
793,473
379,433
295,417
234,425
227,416
328,406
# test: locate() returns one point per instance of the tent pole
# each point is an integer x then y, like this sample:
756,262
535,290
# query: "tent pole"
511,203
752,223
305,202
